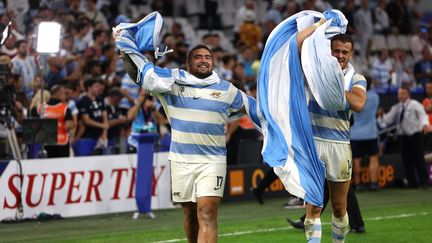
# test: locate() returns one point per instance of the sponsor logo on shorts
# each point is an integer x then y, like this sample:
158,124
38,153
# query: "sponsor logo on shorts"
176,194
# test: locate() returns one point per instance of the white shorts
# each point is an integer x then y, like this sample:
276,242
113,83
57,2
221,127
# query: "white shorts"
337,158
192,180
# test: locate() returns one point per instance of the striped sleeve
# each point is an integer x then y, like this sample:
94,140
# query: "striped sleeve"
237,102
359,81
156,79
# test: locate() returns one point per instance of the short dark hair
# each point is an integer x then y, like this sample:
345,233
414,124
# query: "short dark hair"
115,92
343,38
56,88
97,33
18,43
90,82
200,46
406,88
227,58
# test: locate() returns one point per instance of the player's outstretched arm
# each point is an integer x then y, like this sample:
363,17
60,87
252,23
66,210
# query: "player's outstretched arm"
302,35
356,99
129,66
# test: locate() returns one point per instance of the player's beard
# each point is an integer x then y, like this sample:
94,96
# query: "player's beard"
202,74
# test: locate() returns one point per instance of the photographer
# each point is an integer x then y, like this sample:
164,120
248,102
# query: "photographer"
144,115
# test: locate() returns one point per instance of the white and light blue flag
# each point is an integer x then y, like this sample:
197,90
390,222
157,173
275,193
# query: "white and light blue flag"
282,104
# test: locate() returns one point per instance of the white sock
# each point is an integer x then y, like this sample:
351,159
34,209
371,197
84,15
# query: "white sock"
340,227
313,230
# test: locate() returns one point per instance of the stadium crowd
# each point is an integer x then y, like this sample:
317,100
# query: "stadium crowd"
393,45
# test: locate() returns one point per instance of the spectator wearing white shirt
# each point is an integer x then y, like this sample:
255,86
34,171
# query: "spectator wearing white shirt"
24,65
364,26
412,124
381,70
382,22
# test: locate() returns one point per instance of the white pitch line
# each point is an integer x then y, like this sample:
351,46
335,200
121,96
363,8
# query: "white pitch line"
405,215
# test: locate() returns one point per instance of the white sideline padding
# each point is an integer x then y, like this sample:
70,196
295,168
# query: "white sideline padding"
80,186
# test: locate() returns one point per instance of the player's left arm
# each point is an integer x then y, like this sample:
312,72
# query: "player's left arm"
356,98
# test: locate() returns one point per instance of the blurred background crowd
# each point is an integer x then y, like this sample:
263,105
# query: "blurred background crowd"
393,47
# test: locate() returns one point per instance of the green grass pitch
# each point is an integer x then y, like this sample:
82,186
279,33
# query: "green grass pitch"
390,215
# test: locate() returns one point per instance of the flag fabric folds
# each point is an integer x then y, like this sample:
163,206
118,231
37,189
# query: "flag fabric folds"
134,38
282,108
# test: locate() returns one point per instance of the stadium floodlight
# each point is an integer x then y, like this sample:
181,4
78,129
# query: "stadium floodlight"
47,43
48,37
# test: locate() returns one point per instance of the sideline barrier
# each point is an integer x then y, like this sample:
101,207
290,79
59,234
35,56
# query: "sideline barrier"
80,186
106,184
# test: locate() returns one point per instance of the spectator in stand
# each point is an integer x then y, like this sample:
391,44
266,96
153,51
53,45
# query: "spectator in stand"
247,59
250,32
423,68
108,52
382,22
40,96
399,16
418,42
364,140
239,78
427,104
349,10
381,70
9,48
71,101
225,71
93,69
130,92
116,120
403,68
217,54
364,26
275,13
94,120
81,36
99,40
144,115
412,124
56,72
57,108
24,65
96,16
240,17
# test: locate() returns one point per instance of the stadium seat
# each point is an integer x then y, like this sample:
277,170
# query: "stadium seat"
378,42
392,42
84,146
403,42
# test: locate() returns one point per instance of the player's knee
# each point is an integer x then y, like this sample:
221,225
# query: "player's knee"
208,214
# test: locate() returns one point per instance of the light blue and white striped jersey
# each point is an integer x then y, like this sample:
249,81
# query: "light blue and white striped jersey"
197,115
333,125
130,86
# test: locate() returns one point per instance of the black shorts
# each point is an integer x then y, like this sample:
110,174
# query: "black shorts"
361,148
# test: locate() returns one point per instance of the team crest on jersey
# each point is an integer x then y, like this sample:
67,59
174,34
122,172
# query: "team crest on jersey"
215,95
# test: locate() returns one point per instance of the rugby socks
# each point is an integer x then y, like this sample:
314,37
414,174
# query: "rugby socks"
340,227
313,230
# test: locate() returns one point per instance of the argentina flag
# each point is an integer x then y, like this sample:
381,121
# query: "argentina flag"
282,108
